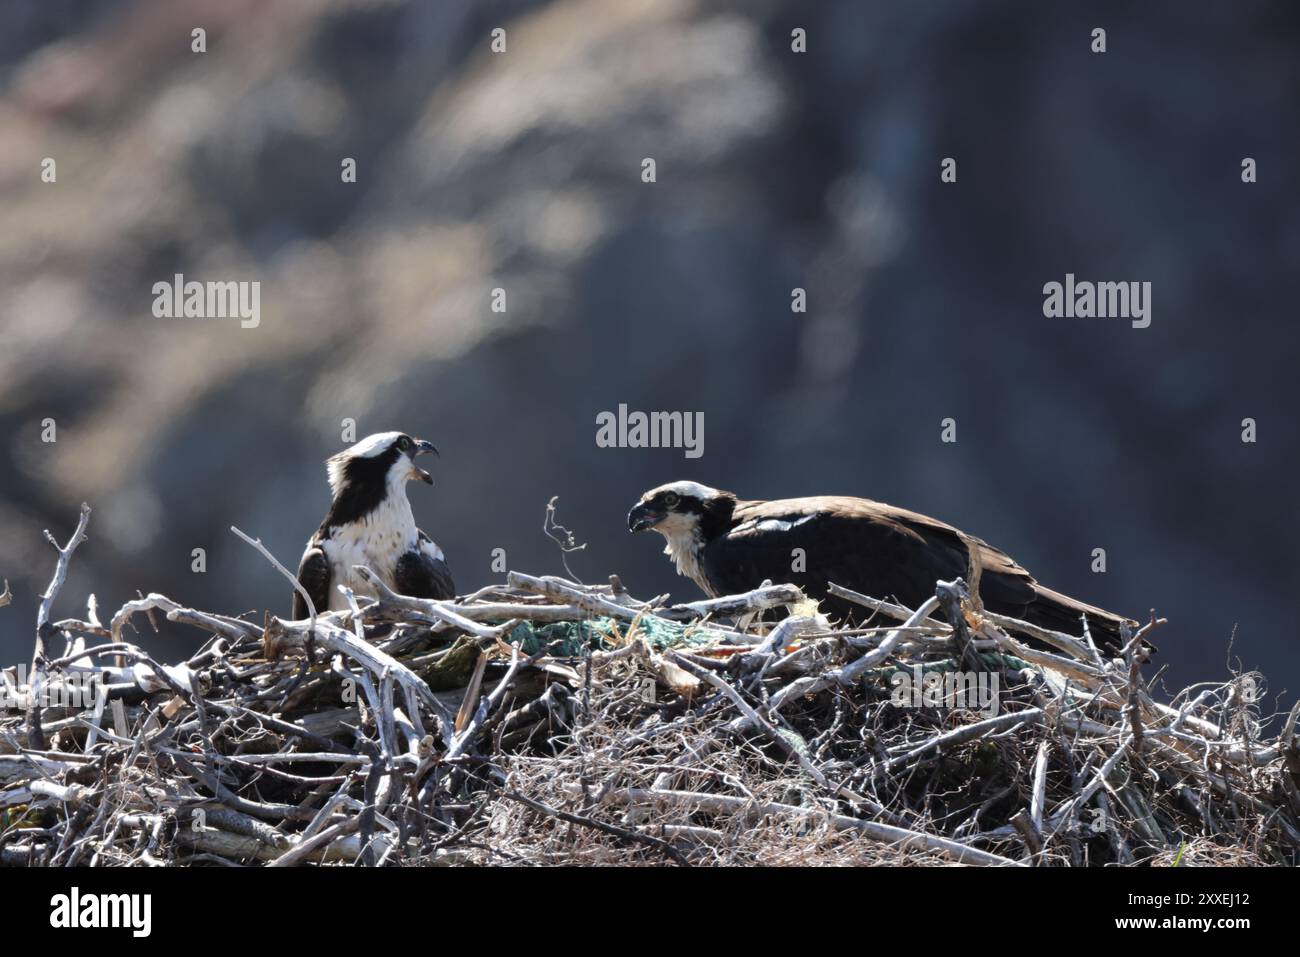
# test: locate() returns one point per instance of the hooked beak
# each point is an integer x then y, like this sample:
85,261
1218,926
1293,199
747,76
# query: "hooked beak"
642,517
423,447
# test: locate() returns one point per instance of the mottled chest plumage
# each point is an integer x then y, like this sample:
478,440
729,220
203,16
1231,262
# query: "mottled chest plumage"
377,541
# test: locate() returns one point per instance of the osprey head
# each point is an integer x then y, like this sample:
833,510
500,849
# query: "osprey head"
385,460
678,508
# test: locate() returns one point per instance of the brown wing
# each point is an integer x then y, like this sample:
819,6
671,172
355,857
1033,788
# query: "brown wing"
314,576
422,575
1008,589
814,541
868,546
879,550
1002,578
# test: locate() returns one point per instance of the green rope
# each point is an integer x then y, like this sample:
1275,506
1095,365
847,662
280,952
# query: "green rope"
569,639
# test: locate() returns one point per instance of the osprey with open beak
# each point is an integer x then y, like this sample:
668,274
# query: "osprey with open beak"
370,523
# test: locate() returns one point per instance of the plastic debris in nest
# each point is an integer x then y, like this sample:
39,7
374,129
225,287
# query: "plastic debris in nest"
571,639
332,748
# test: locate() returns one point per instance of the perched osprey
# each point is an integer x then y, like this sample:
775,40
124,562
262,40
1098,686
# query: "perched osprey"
370,523
729,546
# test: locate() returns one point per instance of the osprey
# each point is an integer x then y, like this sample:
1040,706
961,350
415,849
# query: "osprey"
728,546
370,523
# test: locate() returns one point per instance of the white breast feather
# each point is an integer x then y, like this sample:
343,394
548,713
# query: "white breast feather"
769,525
376,541
684,543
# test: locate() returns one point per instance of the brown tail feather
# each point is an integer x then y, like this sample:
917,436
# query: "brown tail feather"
1059,612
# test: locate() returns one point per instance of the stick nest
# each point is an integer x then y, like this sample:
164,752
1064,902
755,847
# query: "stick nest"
546,722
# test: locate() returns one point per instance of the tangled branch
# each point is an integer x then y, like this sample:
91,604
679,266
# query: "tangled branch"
546,721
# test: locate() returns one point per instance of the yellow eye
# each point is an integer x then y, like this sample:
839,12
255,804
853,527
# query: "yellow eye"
670,499
403,443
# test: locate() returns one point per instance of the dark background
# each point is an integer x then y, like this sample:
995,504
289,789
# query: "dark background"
775,170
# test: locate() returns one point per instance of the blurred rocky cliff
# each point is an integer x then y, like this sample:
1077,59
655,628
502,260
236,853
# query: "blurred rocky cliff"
522,171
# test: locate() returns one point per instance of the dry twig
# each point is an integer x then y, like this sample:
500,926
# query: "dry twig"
624,731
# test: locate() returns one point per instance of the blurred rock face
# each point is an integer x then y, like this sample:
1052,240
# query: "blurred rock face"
500,273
